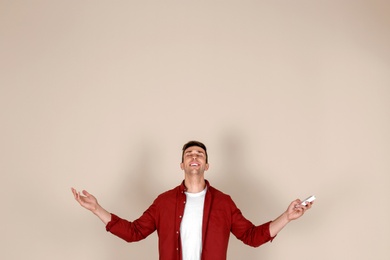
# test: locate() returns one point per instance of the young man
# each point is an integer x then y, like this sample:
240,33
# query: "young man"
193,220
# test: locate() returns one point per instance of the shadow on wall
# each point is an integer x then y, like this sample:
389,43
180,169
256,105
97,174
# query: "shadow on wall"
251,196
136,190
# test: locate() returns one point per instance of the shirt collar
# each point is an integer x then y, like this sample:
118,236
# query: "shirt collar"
183,188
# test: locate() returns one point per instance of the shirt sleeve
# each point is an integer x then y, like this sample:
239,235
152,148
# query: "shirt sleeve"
247,232
132,231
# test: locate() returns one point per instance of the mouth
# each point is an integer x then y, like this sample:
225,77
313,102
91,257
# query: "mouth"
194,164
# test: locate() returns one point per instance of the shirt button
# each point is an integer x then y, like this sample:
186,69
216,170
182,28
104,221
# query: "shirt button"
179,216
177,248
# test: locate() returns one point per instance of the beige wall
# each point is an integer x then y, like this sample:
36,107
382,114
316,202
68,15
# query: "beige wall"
291,97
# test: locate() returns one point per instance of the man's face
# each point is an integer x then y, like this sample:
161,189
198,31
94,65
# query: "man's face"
194,160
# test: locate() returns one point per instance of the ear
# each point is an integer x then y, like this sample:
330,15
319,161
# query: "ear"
182,166
206,167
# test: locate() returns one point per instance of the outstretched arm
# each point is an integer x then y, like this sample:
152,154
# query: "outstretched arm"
295,210
89,202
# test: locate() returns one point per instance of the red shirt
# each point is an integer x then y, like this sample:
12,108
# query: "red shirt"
220,217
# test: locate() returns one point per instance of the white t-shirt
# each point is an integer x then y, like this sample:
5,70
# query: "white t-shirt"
191,226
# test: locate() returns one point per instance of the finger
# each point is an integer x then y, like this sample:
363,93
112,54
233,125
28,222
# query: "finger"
298,205
301,207
80,198
74,192
77,197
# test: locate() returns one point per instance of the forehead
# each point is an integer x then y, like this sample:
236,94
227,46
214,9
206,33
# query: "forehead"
194,149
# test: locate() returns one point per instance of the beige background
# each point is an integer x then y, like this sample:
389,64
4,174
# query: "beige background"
291,97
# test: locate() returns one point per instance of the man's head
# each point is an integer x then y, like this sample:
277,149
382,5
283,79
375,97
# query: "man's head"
191,144
194,158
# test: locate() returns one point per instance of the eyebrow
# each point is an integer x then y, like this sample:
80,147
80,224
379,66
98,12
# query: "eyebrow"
198,151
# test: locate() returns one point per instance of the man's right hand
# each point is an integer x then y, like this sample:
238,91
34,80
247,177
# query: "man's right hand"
89,202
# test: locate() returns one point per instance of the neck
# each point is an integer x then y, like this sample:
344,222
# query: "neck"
194,184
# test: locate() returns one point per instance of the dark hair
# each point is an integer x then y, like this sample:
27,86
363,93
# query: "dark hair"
194,143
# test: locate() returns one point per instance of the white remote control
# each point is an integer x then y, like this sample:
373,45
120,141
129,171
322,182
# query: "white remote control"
309,199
